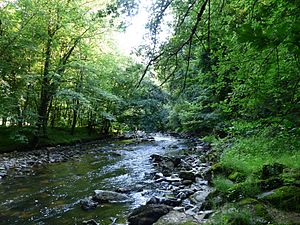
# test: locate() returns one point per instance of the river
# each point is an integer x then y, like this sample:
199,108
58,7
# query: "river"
50,195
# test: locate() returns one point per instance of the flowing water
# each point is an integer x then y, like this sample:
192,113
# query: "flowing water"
51,195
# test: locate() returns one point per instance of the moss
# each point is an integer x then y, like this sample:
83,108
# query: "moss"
231,215
291,176
15,138
247,201
271,183
236,176
272,170
219,168
286,198
249,188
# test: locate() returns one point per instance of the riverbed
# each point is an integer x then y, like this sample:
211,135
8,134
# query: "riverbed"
50,193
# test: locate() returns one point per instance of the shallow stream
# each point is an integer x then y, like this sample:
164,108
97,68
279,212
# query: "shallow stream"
52,193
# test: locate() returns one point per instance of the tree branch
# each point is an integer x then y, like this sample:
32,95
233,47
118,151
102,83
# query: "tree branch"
188,42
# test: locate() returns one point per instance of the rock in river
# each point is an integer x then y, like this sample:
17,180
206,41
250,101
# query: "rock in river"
187,175
88,203
103,196
148,214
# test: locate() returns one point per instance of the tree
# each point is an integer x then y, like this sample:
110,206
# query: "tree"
229,60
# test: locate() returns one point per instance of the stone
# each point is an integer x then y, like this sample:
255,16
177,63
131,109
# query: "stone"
179,208
286,198
122,190
148,214
184,193
164,201
3,174
272,170
90,222
172,179
103,196
200,196
88,203
187,182
187,175
174,218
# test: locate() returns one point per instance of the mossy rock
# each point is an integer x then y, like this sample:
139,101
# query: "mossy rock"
218,168
243,190
271,170
259,209
213,200
236,176
245,212
286,198
247,201
271,183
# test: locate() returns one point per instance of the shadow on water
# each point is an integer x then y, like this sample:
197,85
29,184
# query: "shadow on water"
51,195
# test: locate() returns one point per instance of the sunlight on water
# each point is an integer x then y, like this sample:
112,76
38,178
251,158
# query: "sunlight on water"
51,196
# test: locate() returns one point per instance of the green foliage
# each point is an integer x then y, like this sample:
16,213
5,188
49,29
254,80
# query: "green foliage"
222,184
227,62
232,216
60,68
248,154
13,138
286,197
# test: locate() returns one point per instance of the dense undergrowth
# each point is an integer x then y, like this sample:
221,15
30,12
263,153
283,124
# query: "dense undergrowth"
256,177
13,138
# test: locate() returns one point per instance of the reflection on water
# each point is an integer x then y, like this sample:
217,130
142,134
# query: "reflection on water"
51,195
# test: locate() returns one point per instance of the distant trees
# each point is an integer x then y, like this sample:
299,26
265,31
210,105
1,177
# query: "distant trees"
59,68
57,64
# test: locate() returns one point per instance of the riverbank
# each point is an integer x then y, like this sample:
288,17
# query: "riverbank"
16,139
256,179
22,161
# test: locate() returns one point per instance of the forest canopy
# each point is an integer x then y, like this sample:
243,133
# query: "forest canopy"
224,62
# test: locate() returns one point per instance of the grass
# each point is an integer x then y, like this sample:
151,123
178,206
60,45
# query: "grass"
237,175
249,154
5,136
12,138
62,136
232,216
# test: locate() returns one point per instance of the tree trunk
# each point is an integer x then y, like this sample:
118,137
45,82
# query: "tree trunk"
45,96
4,121
74,121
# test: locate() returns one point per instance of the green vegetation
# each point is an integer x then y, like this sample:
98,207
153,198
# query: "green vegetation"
59,68
260,170
13,138
229,70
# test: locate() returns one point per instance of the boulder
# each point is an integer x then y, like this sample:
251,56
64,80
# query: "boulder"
187,175
163,163
164,201
174,218
286,198
123,190
272,170
102,196
88,203
199,197
148,214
